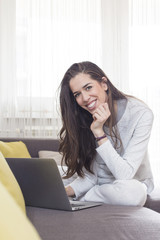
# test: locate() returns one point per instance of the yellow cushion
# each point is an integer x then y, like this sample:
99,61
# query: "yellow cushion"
14,150
9,181
13,222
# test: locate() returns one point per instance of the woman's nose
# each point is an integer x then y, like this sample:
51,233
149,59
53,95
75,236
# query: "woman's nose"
85,96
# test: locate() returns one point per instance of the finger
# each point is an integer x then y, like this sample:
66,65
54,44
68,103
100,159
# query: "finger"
105,106
99,117
102,111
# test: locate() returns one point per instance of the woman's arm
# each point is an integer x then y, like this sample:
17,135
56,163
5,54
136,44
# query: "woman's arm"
82,185
126,166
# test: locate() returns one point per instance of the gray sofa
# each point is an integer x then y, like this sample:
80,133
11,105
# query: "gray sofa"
103,222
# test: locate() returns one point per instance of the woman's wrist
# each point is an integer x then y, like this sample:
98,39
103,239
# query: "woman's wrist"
101,137
98,133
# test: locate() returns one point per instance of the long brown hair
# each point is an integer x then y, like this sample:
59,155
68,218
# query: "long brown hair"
77,142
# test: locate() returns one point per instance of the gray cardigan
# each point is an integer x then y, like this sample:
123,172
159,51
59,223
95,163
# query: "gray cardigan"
131,160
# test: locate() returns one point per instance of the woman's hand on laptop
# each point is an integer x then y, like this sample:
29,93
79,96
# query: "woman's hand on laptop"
70,192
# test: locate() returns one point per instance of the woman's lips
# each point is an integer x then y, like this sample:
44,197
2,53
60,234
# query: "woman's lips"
91,105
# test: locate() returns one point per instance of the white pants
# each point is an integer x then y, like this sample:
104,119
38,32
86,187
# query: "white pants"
120,192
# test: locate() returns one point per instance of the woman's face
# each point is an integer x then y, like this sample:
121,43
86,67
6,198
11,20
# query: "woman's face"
88,92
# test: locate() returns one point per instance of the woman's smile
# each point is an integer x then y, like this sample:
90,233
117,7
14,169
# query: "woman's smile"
92,105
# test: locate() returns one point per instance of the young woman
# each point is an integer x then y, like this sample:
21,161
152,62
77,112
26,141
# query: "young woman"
104,139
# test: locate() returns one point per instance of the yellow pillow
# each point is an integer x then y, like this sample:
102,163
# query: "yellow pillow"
9,181
14,224
14,150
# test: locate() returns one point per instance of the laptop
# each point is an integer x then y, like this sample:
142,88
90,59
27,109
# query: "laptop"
42,185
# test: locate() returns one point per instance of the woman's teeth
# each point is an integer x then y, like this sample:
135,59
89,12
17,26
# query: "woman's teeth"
91,105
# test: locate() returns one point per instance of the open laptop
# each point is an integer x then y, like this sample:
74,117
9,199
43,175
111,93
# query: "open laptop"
42,185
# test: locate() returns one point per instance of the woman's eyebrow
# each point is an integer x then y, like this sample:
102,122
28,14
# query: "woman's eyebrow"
83,87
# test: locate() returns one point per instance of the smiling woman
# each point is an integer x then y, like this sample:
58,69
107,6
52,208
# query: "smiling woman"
120,36
104,138
91,96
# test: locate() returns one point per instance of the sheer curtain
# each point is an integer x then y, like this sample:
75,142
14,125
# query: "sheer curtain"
40,39
131,57
7,61
144,66
115,41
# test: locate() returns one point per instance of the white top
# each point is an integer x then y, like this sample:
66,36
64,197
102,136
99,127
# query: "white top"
129,162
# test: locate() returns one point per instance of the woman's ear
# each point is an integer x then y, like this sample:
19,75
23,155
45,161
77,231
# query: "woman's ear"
104,83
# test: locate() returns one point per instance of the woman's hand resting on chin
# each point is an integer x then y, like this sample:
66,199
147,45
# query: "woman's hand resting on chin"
100,116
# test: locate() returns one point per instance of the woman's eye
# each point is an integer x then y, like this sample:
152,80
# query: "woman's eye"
88,87
76,95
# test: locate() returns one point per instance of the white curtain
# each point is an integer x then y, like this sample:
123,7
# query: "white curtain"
131,57
115,41
7,60
40,39
144,66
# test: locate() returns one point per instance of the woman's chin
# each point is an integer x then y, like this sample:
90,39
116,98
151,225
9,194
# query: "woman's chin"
92,111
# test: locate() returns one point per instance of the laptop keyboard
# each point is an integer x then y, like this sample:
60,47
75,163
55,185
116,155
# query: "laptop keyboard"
77,205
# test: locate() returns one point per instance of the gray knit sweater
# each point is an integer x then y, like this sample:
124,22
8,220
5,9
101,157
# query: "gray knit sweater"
134,125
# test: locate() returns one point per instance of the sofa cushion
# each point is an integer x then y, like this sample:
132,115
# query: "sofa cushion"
34,145
51,154
13,222
103,222
9,181
14,149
